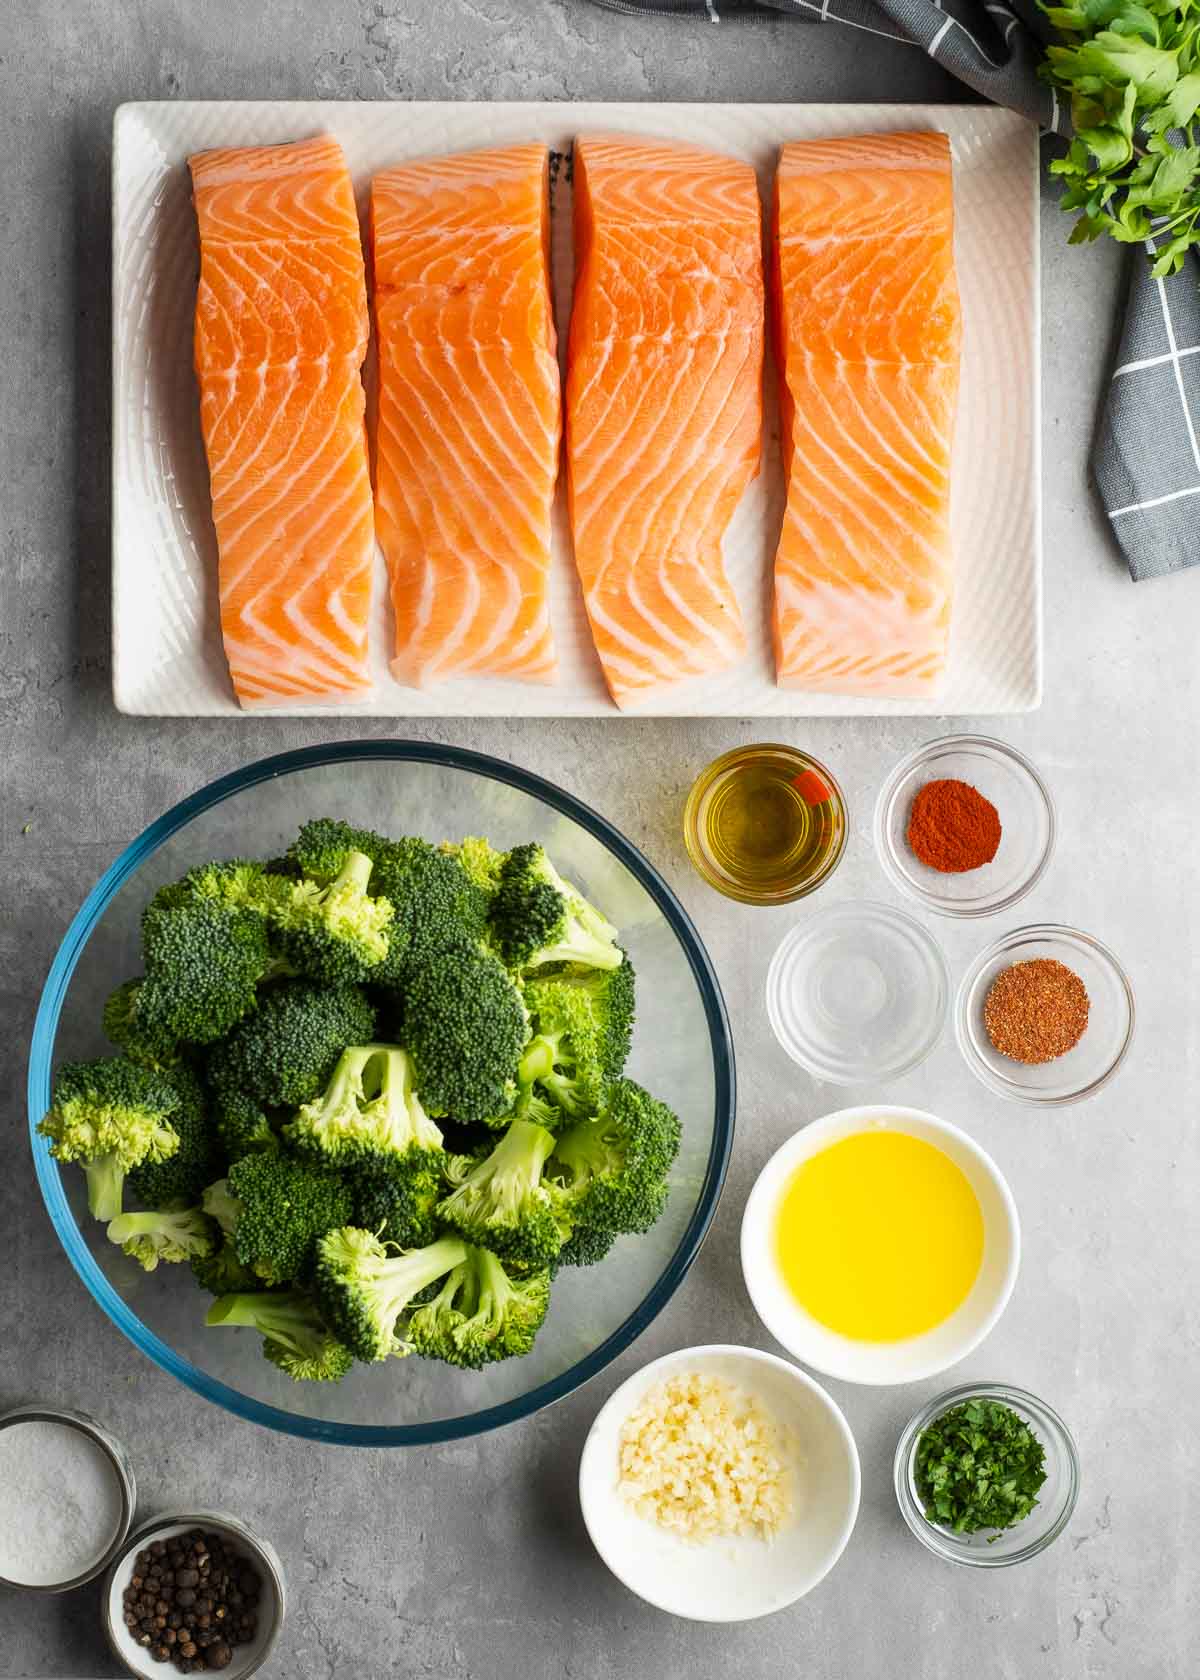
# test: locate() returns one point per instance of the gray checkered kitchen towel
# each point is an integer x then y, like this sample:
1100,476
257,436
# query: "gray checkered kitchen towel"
1146,455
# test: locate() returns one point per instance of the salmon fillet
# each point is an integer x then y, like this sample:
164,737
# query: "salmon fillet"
869,335
664,402
281,332
469,412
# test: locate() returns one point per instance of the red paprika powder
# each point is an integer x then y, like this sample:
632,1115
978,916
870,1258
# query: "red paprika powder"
953,828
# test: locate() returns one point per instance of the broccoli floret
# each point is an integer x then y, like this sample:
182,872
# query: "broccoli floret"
538,918
400,1206
586,1246
281,1207
368,1114
582,1029
204,961
433,896
241,1124
364,1291
481,861
504,1202
153,1047
294,1334
222,1273
323,847
481,1314
334,932
170,1234
182,1176
284,1053
236,884
465,1025
613,1169
111,1116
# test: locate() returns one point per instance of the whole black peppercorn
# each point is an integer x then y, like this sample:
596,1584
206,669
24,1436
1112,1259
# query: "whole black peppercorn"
218,1656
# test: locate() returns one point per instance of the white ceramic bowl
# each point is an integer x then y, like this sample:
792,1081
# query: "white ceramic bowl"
259,1554
915,1357
733,1580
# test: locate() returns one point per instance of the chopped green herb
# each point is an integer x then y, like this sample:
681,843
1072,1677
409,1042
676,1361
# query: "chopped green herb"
979,1466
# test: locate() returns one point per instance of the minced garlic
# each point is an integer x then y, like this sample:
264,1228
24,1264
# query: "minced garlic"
703,1459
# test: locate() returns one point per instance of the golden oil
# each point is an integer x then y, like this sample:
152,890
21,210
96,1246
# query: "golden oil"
765,824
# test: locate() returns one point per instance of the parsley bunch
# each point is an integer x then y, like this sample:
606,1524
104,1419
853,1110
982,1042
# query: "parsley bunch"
1132,71
979,1466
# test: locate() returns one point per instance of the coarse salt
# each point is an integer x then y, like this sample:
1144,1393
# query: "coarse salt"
60,1503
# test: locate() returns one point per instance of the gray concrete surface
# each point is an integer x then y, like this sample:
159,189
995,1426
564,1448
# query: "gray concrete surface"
393,1572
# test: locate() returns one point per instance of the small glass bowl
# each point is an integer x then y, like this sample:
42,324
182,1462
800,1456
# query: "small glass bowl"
1026,810
1094,1060
804,772
858,992
994,1548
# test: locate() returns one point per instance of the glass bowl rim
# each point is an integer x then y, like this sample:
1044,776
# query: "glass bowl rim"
691,842
940,1541
963,910
931,944
50,1008
966,1039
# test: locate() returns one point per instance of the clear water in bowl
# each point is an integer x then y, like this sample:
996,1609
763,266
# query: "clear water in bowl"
677,1050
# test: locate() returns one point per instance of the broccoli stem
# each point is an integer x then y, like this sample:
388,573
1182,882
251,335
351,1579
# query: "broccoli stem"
408,1274
538,1060
105,1186
355,872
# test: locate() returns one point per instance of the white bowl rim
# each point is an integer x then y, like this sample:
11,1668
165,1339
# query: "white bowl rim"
618,1400
265,1556
816,1129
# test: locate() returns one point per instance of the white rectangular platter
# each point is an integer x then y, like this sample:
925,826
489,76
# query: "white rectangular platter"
167,655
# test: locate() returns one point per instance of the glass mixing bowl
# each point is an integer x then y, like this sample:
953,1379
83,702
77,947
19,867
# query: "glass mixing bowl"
682,1049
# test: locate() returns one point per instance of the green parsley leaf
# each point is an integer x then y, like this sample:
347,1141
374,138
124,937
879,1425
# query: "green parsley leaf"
979,1466
1131,69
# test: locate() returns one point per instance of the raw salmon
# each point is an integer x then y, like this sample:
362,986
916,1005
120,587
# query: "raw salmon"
469,412
869,336
664,401
281,332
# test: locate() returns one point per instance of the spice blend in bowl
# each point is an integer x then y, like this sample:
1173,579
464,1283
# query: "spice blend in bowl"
1035,1011
1022,1009
952,828
965,826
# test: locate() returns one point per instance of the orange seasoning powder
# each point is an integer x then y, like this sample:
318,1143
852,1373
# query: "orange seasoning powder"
952,828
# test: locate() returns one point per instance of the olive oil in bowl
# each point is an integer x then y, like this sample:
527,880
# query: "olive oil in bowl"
765,824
